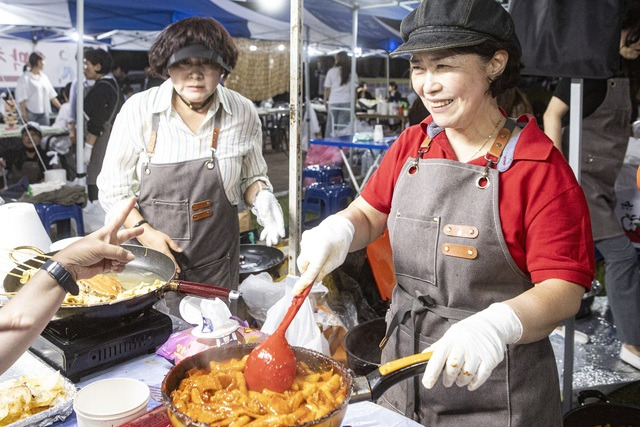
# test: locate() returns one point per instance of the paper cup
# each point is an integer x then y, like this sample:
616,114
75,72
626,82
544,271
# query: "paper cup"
378,133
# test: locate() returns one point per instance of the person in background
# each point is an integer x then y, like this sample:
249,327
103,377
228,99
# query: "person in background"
417,113
606,128
480,289
101,104
191,150
61,143
393,95
30,160
120,74
73,93
514,102
362,92
25,316
338,95
35,93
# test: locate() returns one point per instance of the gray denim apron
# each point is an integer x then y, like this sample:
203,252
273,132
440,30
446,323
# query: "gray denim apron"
604,144
187,201
451,261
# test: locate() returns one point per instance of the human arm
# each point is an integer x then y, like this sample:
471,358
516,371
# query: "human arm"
56,102
327,92
556,250
470,350
120,174
23,111
552,120
21,97
325,247
259,193
24,317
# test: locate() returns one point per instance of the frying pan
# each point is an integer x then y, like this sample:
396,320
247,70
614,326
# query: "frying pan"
359,389
148,266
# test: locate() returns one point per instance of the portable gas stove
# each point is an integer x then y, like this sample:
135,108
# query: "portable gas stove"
82,348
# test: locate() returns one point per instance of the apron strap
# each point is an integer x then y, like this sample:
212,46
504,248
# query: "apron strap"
155,123
501,140
215,135
420,305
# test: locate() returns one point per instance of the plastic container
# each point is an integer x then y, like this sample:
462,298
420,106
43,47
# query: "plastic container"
111,402
53,175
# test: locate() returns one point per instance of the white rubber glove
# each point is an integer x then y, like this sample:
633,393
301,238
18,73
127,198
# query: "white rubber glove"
322,249
471,349
269,214
88,148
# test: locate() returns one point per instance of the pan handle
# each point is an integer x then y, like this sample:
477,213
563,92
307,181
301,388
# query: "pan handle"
393,372
204,290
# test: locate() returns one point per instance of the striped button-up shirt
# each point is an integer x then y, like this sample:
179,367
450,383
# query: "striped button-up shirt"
239,145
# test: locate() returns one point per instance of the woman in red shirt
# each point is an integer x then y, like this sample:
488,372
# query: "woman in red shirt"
489,228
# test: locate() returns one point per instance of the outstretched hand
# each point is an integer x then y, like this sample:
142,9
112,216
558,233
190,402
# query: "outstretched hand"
101,251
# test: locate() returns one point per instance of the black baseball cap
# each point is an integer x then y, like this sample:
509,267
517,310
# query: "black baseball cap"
447,24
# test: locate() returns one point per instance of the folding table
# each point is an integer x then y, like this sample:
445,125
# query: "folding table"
347,141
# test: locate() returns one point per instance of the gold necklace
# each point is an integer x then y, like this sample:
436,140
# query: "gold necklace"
485,141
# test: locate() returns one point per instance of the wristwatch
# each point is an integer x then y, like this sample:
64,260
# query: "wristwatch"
62,276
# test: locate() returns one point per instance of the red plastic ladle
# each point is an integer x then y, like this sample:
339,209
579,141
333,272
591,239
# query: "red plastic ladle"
272,364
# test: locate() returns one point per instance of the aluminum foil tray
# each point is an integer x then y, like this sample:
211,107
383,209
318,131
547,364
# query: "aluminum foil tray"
31,366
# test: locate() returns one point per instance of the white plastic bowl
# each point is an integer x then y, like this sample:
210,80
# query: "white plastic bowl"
111,402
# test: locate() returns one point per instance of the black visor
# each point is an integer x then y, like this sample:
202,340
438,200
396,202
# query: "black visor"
197,51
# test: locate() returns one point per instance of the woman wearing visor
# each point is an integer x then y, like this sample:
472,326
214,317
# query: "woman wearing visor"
191,150
489,228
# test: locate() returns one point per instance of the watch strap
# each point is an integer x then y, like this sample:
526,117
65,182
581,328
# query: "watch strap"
62,276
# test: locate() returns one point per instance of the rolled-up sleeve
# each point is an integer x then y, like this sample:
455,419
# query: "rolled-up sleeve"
254,166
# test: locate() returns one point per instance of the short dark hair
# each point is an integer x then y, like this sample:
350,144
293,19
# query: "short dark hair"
510,77
99,56
189,31
34,58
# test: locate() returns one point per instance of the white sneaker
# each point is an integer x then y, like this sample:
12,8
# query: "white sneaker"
629,357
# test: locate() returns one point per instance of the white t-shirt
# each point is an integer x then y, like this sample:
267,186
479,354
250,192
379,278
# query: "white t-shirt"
338,92
37,91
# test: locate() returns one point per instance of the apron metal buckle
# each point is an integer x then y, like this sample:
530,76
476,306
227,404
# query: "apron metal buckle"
483,181
210,164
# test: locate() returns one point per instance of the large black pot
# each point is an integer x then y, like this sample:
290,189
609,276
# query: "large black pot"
256,259
362,344
601,413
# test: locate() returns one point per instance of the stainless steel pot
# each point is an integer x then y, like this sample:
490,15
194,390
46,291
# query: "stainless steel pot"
148,266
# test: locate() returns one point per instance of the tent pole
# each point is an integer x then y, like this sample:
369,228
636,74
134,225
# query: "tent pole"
295,151
307,84
386,63
80,93
352,87
575,147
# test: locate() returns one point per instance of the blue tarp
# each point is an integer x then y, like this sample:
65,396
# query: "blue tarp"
330,22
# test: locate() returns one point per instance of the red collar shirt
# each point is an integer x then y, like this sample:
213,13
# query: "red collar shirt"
543,211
